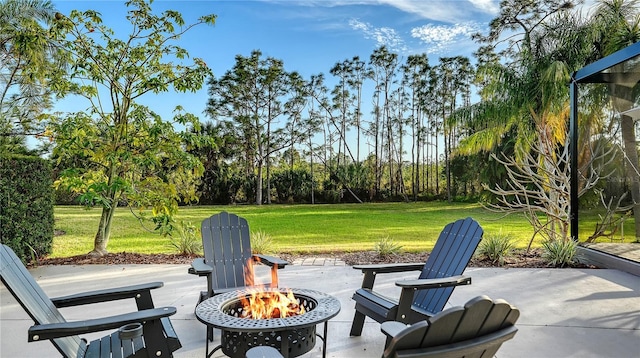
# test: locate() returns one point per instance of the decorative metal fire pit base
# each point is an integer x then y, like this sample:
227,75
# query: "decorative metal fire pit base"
292,336
295,342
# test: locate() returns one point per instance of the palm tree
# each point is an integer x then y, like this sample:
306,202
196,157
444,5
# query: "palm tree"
524,89
27,58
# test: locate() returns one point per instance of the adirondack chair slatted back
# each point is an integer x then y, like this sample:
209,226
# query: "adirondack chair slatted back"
34,301
227,248
449,257
479,317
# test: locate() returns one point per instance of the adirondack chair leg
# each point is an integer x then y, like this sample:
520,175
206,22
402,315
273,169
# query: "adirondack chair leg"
155,339
144,301
357,325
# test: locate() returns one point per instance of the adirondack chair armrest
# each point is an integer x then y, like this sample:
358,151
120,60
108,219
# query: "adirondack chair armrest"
198,267
65,329
270,260
392,328
110,294
389,268
421,284
370,271
409,287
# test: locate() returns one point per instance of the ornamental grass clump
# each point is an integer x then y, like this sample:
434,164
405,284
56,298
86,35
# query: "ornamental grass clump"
496,247
559,253
188,241
386,246
261,242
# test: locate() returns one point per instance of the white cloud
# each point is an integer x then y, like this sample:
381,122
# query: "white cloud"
384,36
440,37
488,6
449,11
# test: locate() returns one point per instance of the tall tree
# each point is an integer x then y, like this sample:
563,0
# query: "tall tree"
384,65
524,91
312,124
294,126
132,154
342,102
252,95
415,77
359,72
454,75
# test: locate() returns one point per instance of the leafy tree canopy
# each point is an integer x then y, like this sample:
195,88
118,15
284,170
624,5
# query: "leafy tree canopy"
27,56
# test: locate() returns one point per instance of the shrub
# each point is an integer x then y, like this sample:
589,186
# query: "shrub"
188,242
559,253
386,246
496,247
261,242
26,206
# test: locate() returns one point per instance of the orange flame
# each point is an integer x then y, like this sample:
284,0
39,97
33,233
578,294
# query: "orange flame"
265,304
262,303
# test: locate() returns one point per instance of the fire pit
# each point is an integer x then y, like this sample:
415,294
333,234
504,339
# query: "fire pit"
292,336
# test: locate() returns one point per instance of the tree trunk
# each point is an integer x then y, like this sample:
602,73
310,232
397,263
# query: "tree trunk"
104,231
259,185
631,154
268,177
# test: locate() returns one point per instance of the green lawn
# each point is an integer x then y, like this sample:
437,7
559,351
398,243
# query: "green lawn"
300,228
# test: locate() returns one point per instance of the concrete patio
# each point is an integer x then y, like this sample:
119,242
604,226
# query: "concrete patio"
564,312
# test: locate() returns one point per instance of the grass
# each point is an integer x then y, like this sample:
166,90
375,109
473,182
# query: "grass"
299,228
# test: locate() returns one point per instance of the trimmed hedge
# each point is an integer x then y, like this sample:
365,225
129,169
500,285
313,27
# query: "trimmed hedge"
26,206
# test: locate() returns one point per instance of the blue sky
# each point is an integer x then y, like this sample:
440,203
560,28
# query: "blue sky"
310,36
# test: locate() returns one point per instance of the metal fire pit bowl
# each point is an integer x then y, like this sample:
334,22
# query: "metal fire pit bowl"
292,336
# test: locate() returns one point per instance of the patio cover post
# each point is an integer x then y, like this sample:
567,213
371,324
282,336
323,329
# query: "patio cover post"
573,150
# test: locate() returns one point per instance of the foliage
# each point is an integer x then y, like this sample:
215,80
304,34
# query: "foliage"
261,242
496,247
386,246
293,186
559,253
27,56
188,242
221,180
122,152
26,206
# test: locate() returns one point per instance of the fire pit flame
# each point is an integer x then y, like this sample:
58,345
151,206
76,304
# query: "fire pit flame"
266,304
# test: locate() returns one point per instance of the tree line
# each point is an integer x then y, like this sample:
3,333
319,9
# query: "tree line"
291,138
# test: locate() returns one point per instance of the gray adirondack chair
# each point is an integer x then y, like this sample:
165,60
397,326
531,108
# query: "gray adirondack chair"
227,257
427,295
147,332
476,330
